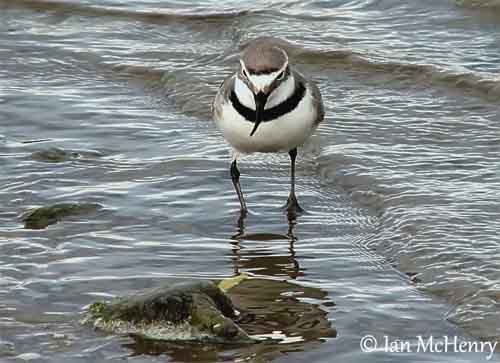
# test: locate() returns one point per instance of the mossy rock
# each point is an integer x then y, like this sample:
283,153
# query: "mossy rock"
191,311
54,155
40,218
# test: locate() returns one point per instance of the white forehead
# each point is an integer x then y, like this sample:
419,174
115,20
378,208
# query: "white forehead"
263,80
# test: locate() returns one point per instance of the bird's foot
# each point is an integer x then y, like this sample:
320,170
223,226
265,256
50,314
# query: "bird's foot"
243,212
240,224
292,206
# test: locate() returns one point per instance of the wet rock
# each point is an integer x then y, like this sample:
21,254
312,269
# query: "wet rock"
282,316
272,313
54,155
187,311
40,218
7,349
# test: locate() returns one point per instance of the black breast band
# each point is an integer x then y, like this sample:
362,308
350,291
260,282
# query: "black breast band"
271,113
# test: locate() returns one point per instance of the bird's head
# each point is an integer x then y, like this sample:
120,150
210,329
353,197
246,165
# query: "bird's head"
263,67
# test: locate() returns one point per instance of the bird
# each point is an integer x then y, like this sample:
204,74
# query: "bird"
267,106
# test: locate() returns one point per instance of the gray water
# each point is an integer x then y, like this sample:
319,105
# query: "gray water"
401,181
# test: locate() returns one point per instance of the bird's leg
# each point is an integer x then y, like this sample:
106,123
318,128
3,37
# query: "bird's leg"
235,176
292,206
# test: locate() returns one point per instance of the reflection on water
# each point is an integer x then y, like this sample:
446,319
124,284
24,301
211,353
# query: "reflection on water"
260,262
284,316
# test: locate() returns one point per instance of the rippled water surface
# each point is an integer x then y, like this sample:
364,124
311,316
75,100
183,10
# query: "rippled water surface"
401,181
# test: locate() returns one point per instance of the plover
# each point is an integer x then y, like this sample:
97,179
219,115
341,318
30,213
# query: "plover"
267,106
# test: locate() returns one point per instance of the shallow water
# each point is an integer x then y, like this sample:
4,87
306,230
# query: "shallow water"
401,181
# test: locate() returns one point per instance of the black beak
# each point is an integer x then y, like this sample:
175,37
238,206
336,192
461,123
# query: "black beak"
260,102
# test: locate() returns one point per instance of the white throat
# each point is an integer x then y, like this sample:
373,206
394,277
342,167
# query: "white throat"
261,81
244,94
277,96
281,93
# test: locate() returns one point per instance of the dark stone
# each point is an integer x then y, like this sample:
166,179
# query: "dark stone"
201,303
54,155
42,217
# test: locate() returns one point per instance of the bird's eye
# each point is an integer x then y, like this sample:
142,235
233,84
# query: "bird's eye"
280,76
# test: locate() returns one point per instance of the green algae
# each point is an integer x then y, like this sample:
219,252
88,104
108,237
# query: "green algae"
192,311
97,308
231,282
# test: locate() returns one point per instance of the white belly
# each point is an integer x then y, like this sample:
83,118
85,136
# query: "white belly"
281,134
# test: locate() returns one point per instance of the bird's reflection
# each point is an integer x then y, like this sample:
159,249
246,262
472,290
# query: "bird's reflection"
260,259
272,306
284,315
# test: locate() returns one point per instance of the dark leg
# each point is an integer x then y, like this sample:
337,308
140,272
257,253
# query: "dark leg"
292,206
241,227
235,175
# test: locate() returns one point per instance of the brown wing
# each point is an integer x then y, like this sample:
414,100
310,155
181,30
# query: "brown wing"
222,96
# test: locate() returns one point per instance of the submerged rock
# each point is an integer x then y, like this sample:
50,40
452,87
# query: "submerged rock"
40,218
7,349
192,311
58,155
54,155
274,313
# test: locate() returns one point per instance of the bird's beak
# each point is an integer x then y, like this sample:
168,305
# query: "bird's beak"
260,102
